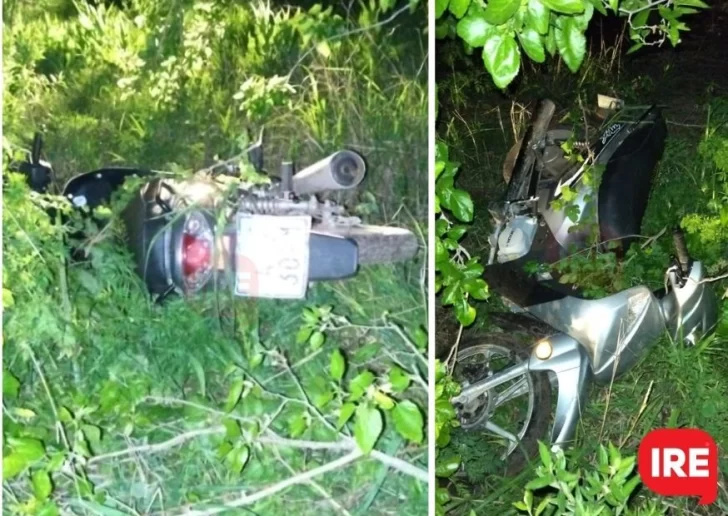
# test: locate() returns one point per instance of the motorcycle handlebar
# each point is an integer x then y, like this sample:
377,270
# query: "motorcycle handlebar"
520,183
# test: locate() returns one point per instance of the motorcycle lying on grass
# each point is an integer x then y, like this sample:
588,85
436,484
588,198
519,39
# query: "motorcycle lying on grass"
258,240
559,338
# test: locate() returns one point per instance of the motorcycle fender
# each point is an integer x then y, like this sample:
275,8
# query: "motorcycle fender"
570,364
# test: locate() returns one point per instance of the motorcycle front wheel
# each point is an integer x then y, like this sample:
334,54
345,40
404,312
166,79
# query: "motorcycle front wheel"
379,244
510,420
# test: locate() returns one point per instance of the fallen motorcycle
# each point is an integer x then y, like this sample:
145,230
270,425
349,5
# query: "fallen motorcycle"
558,337
258,240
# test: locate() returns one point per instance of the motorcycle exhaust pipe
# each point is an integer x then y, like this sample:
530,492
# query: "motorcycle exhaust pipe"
342,170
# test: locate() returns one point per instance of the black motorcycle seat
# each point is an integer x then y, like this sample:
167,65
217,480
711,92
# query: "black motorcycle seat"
626,183
95,188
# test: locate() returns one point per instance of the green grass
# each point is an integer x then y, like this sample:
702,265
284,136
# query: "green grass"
673,385
123,373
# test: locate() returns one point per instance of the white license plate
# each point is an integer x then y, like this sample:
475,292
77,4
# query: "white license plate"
271,256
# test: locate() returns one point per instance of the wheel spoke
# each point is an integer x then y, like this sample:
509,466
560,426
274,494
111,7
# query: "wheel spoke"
497,430
519,388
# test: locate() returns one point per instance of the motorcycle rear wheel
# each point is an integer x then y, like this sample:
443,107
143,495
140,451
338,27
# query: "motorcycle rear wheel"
379,244
514,456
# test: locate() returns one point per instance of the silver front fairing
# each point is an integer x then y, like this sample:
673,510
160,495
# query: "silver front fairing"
614,330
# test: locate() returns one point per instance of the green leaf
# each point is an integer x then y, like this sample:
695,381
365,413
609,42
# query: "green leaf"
531,43
50,509
498,12
200,372
345,413
692,3
11,385
478,289
539,482
297,424
571,43
459,7
537,16
445,467
303,334
440,7
317,340
359,385
13,464
545,453
565,6
474,29
238,458
382,400
337,365
30,449
92,433
408,421
236,389
464,312
462,205
399,379
42,486
232,429
368,426
502,60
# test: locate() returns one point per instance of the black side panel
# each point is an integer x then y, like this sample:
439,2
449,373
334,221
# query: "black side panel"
96,187
331,257
627,180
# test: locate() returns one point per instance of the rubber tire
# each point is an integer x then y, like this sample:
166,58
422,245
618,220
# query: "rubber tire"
539,426
380,244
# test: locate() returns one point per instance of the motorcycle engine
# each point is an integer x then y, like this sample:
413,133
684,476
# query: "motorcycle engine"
516,238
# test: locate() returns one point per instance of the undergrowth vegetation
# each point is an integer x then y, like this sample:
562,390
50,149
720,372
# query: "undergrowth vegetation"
675,385
116,405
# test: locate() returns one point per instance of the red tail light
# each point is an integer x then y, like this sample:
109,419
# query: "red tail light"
197,252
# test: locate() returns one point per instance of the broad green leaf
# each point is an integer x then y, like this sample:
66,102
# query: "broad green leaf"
582,20
474,29
462,205
200,372
303,334
498,12
337,365
531,43
13,464
232,429
236,389
368,426
445,467
399,379
692,3
464,312
359,385
545,453
459,7
502,59
478,289
92,433
537,16
50,509
382,400
571,43
549,41
408,421
440,7
297,424
565,6
23,413
42,486
238,458
539,482
317,340
11,385
30,449
345,413
599,6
